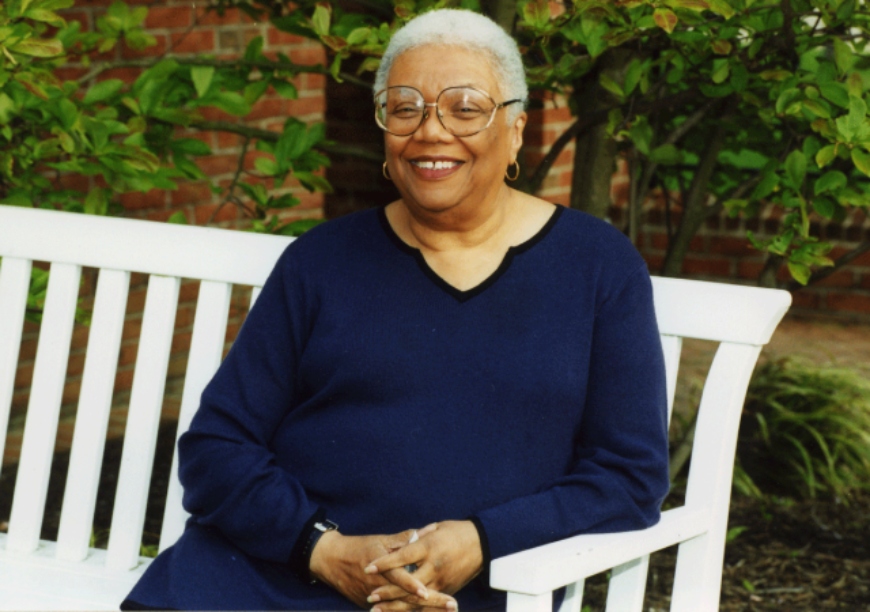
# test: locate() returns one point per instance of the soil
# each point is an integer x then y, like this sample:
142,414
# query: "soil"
787,555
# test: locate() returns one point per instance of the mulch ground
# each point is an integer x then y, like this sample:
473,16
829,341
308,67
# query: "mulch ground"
790,555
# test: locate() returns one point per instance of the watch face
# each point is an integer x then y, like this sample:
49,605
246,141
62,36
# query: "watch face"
325,525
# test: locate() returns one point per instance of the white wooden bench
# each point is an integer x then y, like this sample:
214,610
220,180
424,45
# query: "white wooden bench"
68,574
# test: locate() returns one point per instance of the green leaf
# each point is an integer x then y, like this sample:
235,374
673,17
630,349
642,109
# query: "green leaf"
536,13
266,166
610,85
836,93
861,161
796,168
285,89
721,71
320,20
843,56
38,47
202,77
190,146
103,91
358,36
766,186
254,50
96,202
231,102
178,217
666,154
632,76
825,207
666,19
857,113
829,181
253,91
313,182
799,272
817,108
826,155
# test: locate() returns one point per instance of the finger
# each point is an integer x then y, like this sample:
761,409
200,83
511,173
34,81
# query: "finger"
412,554
407,582
440,604
427,529
398,540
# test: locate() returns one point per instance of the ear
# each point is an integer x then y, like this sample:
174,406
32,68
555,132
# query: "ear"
516,134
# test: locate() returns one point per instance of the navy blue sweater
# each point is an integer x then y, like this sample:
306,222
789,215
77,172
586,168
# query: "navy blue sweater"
364,386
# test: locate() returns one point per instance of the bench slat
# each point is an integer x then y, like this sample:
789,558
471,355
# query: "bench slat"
43,410
206,351
627,586
92,418
573,601
14,284
143,419
672,347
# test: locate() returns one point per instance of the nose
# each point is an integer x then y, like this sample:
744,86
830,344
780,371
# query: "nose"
431,129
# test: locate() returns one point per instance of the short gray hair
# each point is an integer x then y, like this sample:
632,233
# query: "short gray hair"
465,29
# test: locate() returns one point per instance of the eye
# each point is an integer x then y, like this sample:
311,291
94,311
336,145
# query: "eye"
466,111
405,111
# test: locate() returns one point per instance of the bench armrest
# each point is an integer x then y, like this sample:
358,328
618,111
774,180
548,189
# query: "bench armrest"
543,569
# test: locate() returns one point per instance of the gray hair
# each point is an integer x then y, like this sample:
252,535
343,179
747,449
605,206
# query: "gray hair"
466,29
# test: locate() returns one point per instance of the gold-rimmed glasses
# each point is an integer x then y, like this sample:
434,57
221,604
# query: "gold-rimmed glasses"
463,111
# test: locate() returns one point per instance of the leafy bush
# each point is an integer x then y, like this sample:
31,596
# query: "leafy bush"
805,431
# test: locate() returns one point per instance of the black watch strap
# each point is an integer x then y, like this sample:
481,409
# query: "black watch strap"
318,528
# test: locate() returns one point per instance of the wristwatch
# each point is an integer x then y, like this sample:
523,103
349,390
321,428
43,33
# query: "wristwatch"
317,530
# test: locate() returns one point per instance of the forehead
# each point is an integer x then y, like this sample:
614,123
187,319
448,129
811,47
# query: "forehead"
431,68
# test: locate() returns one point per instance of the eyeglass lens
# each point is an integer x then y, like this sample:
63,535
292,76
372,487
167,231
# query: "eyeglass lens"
463,111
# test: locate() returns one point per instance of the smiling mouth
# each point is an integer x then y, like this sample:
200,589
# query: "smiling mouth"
436,165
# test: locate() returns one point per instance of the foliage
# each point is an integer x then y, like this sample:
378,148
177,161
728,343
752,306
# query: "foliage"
736,105
122,138
806,431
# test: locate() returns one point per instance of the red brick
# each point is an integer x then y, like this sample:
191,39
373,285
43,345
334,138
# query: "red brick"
750,269
124,380
850,302
23,375
231,16
267,108
159,48
162,215
169,17
729,245
82,17
132,329
191,193
214,165
841,278
127,355
236,40
275,37
862,260
228,140
181,342
707,267
308,105
188,292
193,41
313,82
136,200
76,365
213,114
212,213
308,55
70,73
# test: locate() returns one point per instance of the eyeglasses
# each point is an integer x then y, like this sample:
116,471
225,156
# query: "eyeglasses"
463,111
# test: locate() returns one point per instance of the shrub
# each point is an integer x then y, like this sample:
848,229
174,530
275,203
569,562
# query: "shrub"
805,431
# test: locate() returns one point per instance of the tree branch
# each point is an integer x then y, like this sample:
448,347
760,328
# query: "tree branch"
841,262
270,136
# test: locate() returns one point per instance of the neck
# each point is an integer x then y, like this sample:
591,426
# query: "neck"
458,227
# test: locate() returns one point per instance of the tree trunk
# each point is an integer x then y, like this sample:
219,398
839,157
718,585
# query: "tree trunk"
695,207
595,150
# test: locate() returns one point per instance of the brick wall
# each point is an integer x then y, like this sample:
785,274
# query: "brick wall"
181,29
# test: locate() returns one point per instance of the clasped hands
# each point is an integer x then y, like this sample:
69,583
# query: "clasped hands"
371,570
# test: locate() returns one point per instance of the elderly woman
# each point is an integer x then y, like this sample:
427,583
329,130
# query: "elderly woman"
469,362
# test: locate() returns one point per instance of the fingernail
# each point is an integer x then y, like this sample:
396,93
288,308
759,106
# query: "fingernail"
371,569
423,593
376,609
452,605
373,598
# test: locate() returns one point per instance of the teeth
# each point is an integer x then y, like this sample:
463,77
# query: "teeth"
436,165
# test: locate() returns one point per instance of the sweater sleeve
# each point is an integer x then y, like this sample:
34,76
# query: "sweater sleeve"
228,470
618,476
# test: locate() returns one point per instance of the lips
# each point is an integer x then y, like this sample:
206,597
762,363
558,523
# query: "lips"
435,168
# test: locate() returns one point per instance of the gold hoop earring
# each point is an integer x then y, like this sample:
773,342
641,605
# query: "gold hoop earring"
386,172
516,174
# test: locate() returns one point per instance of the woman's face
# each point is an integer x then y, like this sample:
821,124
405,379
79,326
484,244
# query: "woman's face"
434,170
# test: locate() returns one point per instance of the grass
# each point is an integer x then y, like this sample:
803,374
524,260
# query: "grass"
805,432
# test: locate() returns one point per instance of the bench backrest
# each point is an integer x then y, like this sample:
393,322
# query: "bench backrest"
167,253
741,319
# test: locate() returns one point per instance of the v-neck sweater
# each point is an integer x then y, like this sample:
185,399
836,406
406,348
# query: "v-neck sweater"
363,386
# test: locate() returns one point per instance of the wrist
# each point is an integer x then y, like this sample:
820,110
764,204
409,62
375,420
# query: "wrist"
321,554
